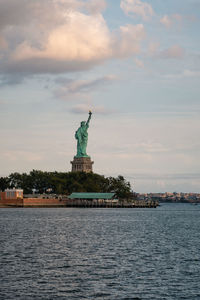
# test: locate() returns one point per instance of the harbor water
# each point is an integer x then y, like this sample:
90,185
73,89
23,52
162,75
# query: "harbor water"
111,254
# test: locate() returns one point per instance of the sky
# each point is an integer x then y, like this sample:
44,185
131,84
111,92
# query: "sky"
134,63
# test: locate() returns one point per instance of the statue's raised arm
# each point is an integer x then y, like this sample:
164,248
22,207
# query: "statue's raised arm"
88,121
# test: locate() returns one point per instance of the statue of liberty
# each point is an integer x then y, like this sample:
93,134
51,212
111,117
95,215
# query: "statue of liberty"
82,137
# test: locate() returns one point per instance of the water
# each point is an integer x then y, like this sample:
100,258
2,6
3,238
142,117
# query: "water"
70,253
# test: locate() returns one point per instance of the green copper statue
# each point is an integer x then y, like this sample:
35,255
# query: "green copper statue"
82,137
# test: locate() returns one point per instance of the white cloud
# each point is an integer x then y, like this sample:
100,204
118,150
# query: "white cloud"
83,38
169,20
95,6
60,36
127,42
173,52
166,21
137,7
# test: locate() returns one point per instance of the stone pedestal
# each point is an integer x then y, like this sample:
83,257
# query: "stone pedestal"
82,164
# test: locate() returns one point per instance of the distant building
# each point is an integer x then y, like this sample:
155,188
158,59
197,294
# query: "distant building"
12,194
15,198
92,198
12,197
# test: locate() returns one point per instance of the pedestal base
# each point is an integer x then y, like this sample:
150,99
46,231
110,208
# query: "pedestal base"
82,164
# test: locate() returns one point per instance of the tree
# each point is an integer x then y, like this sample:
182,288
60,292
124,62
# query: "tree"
66,183
120,187
4,183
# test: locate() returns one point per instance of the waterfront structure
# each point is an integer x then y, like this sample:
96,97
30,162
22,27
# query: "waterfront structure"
82,162
10,198
107,200
13,194
94,196
92,199
16,198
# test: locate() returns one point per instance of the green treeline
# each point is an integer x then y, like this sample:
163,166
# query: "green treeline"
66,183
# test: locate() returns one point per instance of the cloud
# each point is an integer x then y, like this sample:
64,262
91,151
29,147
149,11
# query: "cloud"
166,21
127,41
74,90
10,80
84,108
70,88
60,36
70,42
95,6
83,40
174,51
169,20
88,85
13,12
137,7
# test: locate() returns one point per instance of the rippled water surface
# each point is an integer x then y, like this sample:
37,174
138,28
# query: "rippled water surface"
71,253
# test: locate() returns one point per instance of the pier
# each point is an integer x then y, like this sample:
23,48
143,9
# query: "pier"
15,198
96,204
